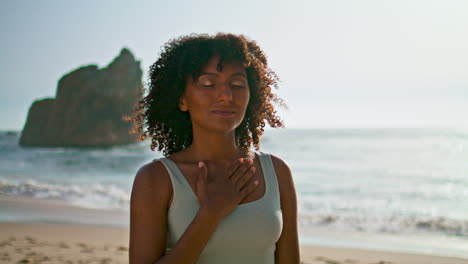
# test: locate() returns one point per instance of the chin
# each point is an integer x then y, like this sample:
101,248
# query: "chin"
223,127
218,125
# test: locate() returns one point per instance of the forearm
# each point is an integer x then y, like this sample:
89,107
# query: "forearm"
191,244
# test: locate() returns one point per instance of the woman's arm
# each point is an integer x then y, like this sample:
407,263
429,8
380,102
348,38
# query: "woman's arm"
148,213
287,247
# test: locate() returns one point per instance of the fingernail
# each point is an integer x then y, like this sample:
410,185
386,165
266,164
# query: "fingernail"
255,182
250,161
200,164
241,160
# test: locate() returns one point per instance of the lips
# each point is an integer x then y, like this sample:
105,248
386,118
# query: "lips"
223,112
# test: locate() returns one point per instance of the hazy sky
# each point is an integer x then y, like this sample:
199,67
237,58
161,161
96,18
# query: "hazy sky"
342,63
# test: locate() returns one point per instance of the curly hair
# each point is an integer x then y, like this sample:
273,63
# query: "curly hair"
186,56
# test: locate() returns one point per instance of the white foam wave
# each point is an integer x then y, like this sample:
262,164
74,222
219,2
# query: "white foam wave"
90,196
385,224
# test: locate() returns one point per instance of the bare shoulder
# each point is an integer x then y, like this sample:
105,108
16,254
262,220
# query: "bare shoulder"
281,168
152,179
278,162
152,173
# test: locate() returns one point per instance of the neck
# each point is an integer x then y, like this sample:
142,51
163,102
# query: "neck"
215,147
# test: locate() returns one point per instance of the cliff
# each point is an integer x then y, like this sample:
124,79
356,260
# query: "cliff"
89,107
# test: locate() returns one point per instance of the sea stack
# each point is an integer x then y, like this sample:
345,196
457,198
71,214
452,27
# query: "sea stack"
89,107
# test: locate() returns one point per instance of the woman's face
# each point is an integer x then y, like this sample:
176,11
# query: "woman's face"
217,100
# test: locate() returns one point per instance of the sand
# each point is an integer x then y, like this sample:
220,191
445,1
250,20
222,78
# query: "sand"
22,242
53,243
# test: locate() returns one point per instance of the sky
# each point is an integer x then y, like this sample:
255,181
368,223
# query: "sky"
342,64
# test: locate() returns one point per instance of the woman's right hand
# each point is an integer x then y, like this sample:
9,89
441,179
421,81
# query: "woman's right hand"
220,195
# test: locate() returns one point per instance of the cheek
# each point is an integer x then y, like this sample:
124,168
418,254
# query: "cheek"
244,97
198,98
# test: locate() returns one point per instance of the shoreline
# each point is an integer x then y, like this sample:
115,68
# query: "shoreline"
50,229
34,210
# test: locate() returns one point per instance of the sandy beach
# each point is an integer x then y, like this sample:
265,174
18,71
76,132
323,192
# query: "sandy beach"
52,243
91,243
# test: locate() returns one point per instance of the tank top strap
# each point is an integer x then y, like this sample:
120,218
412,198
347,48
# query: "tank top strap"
180,186
172,170
269,174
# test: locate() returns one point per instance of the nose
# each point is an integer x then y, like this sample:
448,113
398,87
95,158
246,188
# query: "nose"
225,93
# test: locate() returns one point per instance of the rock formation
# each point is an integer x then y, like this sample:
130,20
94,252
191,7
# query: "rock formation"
89,107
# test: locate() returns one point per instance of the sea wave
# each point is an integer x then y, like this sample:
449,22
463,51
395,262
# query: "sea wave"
394,224
108,196
98,196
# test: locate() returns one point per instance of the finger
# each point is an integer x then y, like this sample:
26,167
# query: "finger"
234,166
245,178
241,170
203,176
248,189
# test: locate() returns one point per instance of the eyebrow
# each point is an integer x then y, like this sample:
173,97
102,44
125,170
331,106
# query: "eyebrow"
215,74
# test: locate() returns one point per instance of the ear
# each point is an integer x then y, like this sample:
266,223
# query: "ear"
183,103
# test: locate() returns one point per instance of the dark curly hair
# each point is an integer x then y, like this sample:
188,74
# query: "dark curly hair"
186,56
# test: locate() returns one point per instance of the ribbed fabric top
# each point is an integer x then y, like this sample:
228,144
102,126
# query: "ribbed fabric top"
247,235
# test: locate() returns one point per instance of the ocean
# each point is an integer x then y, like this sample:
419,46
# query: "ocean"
393,189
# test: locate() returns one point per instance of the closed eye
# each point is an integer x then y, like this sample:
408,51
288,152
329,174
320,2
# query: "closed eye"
208,84
238,85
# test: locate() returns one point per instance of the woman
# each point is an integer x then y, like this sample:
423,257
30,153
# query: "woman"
211,200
